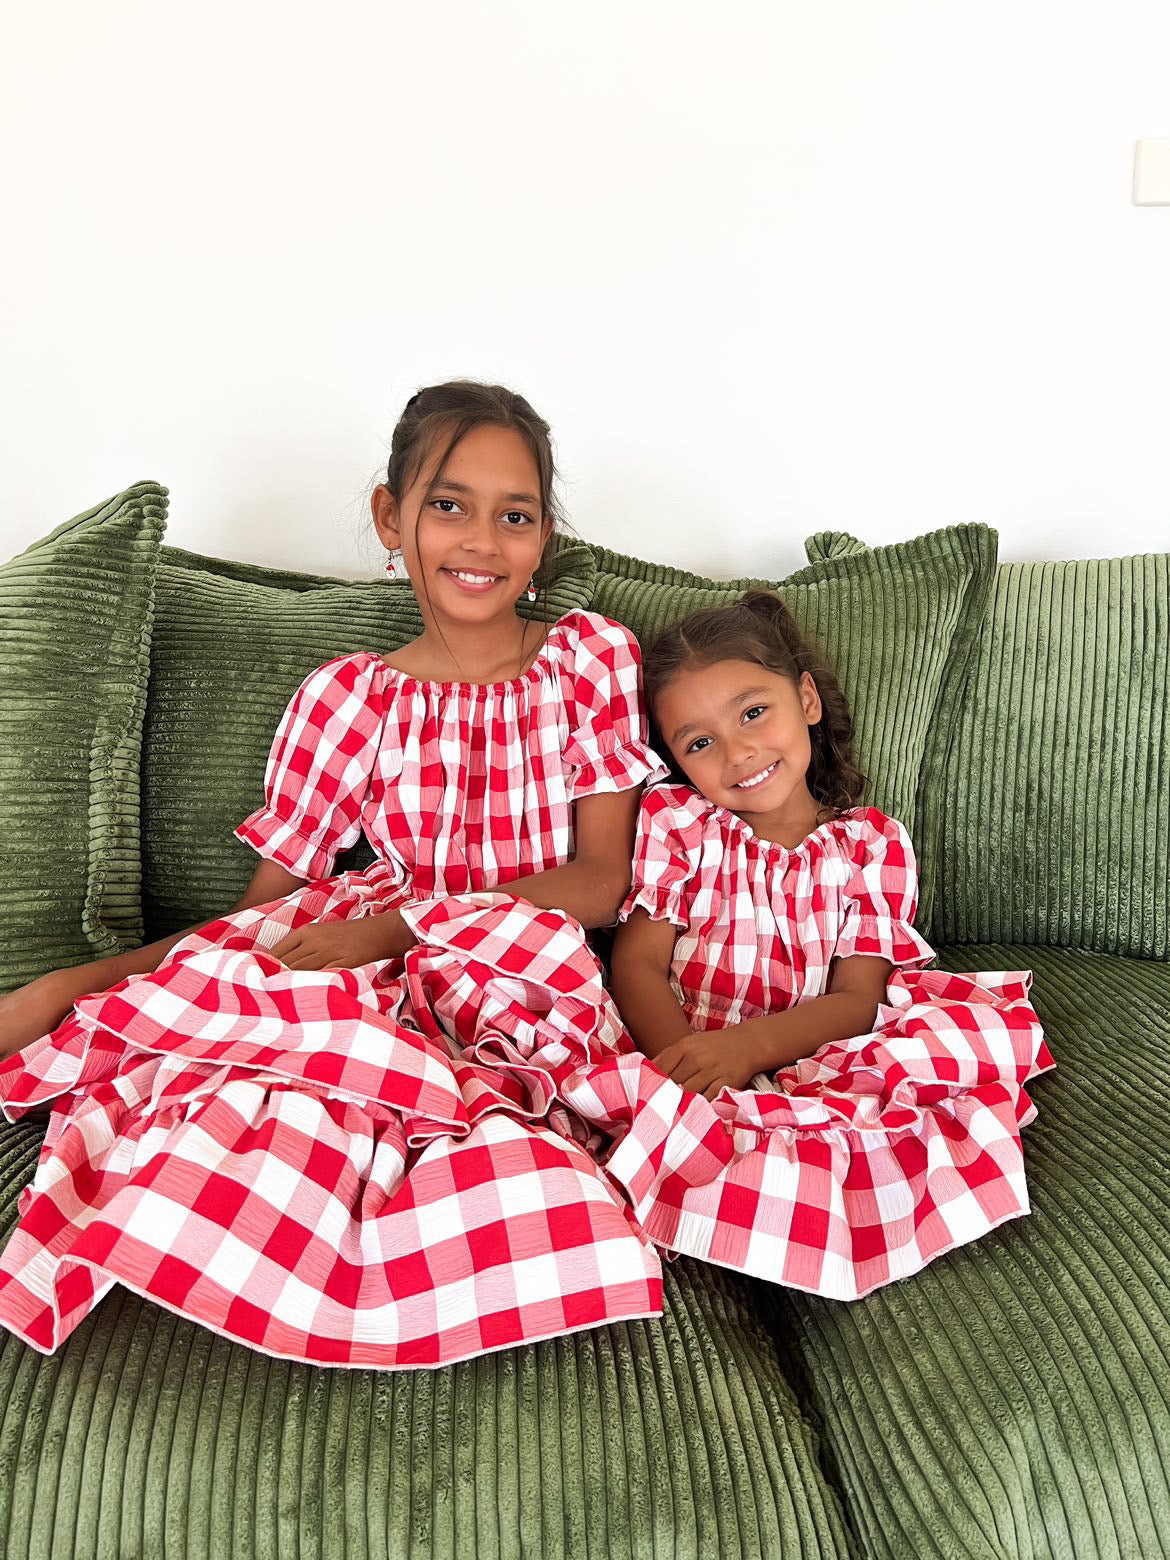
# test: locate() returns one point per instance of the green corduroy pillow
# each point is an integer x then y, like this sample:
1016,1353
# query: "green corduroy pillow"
1056,794
231,643
75,623
899,626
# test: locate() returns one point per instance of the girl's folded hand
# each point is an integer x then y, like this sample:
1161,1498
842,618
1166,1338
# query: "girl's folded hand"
706,1060
343,945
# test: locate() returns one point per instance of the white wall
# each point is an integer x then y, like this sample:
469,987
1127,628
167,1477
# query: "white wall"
766,267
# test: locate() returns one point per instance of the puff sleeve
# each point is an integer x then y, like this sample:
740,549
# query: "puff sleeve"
880,899
607,749
319,767
668,847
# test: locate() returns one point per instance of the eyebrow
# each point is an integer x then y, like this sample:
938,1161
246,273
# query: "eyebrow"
736,698
508,498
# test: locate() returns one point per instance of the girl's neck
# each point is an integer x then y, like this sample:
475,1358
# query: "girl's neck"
791,824
473,653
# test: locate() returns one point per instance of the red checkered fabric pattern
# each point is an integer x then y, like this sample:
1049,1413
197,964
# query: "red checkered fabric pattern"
369,1166
855,1166
456,785
759,925
364,1167
859,1164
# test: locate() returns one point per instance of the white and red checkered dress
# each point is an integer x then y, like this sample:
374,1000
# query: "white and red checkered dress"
861,1163
362,1167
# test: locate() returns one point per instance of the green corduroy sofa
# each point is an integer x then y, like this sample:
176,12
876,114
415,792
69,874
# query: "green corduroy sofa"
1012,1400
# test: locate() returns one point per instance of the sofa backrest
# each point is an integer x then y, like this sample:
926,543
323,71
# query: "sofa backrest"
1055,797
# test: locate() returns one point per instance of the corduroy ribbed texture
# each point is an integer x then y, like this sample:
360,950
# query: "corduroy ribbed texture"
899,626
1056,797
75,623
1013,1399
148,1438
231,643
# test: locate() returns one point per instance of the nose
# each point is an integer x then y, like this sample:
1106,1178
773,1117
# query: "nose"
479,535
741,748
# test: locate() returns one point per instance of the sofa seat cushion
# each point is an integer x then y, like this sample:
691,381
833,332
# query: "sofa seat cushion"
148,1436
1013,1399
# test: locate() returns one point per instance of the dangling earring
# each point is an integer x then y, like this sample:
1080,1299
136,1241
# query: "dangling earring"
531,591
390,569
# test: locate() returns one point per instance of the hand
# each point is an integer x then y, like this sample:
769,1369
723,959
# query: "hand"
707,1059
36,1009
343,945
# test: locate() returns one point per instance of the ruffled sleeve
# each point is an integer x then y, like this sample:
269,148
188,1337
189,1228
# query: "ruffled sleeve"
668,846
319,767
607,748
882,896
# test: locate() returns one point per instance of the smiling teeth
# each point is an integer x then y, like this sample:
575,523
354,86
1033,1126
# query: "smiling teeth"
746,785
473,579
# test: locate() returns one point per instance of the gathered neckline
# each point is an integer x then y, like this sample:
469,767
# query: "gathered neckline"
762,839
531,673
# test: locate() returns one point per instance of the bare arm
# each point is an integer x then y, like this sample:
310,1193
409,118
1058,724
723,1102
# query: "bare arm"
592,886
269,881
848,1008
707,1060
640,979
36,1009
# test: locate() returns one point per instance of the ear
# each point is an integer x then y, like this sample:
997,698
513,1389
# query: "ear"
387,521
810,699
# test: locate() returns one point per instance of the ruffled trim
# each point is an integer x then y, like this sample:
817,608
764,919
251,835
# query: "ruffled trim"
619,767
884,938
661,903
859,1164
278,841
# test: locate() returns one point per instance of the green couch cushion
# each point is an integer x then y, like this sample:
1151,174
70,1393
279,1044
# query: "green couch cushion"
1014,1398
146,1435
899,626
1056,796
231,643
75,624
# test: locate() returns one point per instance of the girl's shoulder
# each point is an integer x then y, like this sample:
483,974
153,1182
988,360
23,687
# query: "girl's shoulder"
868,834
591,637
670,806
363,669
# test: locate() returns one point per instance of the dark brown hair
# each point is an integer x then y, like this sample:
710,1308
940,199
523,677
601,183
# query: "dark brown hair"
454,409
760,628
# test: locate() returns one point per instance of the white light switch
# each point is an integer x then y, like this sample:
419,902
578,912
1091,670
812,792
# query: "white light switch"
1151,173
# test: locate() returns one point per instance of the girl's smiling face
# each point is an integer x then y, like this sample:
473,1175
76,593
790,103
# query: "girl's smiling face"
471,541
740,734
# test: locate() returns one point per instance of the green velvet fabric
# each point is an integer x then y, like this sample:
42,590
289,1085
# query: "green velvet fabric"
1056,796
75,623
231,643
1055,799
1013,1399
148,1438
898,624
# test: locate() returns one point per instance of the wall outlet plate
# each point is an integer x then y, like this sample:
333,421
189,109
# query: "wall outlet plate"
1151,172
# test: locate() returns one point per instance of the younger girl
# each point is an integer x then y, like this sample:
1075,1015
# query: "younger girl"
276,1126
833,1119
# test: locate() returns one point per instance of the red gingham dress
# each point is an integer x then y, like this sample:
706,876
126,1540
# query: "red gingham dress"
362,1167
856,1165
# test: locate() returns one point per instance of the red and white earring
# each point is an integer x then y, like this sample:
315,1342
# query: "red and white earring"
531,591
390,568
